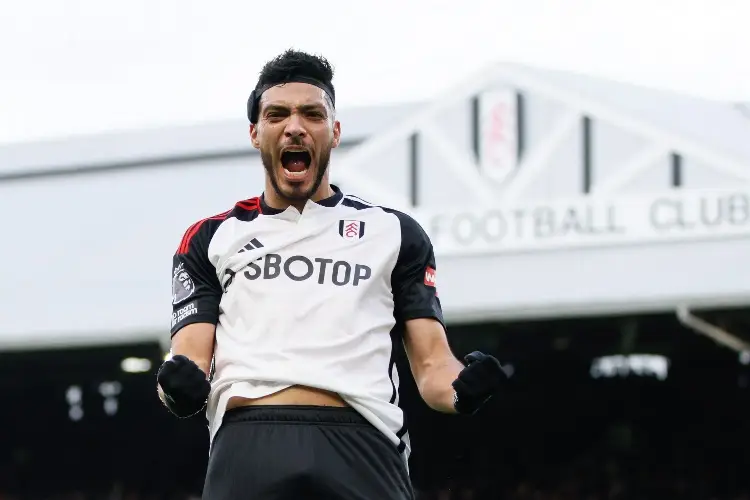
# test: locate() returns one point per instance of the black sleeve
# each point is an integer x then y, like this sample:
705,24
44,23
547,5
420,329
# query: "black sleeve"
196,291
413,278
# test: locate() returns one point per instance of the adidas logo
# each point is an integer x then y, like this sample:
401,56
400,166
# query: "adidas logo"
254,243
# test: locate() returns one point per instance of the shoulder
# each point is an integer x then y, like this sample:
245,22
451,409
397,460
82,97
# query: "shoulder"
201,232
411,229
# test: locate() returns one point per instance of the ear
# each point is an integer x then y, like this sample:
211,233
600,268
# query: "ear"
336,133
254,136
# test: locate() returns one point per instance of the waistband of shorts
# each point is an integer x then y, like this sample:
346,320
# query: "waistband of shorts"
295,413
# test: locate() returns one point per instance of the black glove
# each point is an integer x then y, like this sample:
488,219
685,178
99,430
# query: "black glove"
476,383
184,386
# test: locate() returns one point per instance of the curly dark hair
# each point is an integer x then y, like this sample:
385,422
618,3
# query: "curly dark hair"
294,63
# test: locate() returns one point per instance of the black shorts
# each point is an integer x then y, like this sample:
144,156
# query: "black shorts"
303,452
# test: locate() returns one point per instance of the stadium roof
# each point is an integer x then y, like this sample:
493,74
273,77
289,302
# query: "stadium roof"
157,145
719,126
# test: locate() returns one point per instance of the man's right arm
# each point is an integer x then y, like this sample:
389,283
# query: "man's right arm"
196,341
196,295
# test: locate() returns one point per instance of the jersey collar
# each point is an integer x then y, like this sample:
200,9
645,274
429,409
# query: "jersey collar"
330,202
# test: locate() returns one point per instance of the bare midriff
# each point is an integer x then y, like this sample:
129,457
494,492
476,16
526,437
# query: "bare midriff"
293,396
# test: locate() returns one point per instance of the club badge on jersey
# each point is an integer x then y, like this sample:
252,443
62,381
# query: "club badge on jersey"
351,229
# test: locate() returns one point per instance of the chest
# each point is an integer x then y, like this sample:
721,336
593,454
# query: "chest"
322,255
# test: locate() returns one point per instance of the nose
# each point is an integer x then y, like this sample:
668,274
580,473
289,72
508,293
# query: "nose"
295,127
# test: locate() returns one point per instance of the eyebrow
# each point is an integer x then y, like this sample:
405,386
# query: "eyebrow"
303,107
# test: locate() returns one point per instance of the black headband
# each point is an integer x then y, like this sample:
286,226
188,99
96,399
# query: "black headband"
253,102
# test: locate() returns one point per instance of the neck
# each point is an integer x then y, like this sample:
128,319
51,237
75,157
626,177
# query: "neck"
273,199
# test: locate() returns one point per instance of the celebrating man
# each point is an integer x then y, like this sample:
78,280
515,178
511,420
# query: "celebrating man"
287,310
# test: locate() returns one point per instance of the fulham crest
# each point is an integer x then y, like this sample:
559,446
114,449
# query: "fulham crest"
351,229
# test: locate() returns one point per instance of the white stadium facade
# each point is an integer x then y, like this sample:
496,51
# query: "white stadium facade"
546,195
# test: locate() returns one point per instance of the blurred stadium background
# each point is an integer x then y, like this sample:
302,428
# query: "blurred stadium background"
590,234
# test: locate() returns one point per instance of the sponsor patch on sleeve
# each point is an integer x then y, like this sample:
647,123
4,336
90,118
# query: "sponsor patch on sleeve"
183,286
184,312
429,277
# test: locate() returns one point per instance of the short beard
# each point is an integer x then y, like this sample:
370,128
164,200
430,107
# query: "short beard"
322,164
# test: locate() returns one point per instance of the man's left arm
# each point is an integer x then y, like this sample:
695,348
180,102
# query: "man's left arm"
432,362
445,384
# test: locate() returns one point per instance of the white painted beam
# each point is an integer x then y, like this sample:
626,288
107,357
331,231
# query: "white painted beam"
689,148
539,158
463,167
629,170
410,124
362,185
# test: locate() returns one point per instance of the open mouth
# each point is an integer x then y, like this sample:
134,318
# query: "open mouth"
295,163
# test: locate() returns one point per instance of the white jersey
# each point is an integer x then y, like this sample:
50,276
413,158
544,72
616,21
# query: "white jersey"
316,298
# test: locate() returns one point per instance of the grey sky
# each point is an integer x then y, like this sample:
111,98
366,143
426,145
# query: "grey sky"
84,66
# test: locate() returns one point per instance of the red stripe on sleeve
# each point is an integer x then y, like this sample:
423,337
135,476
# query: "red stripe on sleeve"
250,204
193,230
186,237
